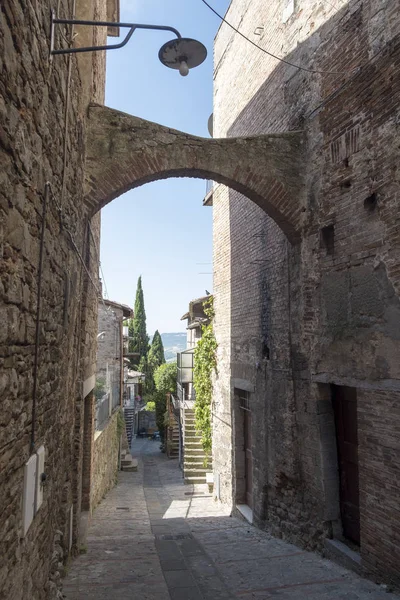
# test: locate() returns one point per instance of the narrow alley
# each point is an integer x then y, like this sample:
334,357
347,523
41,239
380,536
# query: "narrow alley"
155,538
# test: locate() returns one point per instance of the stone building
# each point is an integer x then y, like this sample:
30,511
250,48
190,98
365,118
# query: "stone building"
110,350
306,414
195,318
48,290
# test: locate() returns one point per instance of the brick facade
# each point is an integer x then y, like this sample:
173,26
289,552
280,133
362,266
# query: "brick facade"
291,320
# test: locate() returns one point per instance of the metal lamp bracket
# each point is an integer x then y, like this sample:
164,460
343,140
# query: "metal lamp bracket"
131,26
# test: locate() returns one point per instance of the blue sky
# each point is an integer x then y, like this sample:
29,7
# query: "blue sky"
161,230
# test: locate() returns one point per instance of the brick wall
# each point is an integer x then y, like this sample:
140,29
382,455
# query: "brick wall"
290,319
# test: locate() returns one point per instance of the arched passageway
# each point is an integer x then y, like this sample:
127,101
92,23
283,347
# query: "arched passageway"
123,152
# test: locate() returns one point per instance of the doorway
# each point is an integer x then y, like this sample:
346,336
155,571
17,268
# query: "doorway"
247,448
344,400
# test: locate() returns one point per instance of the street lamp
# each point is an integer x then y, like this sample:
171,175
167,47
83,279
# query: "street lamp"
180,53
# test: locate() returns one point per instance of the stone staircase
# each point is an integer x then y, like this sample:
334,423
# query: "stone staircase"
129,416
127,462
173,440
194,470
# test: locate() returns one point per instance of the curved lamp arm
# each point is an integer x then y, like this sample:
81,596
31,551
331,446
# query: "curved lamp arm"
131,26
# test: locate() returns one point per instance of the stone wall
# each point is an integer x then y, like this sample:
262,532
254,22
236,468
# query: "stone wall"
291,320
109,367
105,460
42,131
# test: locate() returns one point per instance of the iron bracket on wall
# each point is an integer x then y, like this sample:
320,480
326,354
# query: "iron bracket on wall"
131,26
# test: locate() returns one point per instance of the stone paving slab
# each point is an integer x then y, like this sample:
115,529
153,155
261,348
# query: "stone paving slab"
154,538
118,591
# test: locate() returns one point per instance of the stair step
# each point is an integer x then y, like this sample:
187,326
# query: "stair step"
196,467
190,480
195,456
129,464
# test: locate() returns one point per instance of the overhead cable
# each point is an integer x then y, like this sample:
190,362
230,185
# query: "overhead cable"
270,53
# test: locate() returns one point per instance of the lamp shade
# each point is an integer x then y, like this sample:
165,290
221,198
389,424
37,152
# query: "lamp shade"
179,50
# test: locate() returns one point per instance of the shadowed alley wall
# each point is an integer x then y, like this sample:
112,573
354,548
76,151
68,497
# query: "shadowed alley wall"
292,320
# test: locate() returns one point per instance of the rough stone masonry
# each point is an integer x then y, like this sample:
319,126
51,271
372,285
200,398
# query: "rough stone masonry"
42,125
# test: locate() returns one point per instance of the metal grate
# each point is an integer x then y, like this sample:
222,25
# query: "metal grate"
172,537
244,400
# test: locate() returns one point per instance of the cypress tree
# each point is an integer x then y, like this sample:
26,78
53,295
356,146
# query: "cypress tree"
156,352
139,341
149,385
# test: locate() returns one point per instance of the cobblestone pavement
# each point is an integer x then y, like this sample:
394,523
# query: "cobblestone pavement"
153,538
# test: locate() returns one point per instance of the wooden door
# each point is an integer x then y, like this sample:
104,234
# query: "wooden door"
345,409
248,458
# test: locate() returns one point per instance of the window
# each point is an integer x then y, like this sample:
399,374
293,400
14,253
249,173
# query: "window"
244,400
328,239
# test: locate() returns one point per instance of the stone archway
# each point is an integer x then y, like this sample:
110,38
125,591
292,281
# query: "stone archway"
123,152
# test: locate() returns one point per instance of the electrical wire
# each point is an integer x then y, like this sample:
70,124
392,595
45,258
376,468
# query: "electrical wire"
287,62
64,227
96,287
98,258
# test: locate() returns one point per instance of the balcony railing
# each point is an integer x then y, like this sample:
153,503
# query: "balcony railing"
105,407
185,400
102,412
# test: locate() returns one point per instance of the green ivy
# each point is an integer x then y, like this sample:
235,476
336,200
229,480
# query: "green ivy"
205,363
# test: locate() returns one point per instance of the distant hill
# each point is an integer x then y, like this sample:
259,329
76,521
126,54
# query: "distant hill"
173,343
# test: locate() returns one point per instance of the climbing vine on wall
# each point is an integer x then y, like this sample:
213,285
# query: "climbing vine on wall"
205,363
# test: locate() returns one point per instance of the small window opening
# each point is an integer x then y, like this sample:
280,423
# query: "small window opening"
371,202
328,239
265,351
346,162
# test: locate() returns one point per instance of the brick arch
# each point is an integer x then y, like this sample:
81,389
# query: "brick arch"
124,152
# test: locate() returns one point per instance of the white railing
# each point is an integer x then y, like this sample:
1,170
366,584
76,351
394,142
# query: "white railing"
176,402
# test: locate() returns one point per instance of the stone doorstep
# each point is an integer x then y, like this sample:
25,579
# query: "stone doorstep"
341,554
245,511
128,463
